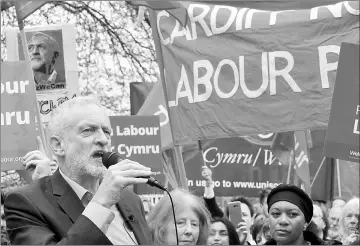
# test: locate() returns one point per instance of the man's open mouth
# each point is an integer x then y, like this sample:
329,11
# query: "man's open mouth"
98,154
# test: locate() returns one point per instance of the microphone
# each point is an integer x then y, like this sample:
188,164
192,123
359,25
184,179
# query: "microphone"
111,158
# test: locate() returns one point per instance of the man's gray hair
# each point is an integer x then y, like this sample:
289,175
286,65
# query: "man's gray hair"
54,44
61,118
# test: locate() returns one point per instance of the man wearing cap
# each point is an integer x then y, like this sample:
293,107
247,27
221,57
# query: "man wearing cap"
290,212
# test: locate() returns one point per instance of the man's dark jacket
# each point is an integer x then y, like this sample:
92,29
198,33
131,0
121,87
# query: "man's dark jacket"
48,211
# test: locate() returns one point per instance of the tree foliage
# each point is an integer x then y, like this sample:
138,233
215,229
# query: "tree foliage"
113,49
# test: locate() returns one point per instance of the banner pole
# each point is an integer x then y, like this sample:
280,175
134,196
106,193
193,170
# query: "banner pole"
169,170
338,176
318,171
177,148
290,166
37,109
307,140
23,173
202,154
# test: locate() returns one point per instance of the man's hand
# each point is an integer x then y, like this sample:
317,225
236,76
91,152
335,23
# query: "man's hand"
242,232
36,162
351,238
206,173
117,178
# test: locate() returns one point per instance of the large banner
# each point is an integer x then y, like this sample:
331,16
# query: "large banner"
56,75
18,127
342,138
307,161
243,68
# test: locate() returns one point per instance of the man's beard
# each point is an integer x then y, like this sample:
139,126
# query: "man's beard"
38,65
81,165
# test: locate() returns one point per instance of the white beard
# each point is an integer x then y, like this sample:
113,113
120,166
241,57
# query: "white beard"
37,64
80,166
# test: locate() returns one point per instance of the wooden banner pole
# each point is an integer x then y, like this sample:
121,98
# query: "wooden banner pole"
177,148
37,109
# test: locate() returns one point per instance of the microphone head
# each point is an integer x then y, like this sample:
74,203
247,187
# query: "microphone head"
110,158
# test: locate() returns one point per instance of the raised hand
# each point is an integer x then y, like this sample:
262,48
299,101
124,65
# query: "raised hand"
351,238
36,162
242,232
206,173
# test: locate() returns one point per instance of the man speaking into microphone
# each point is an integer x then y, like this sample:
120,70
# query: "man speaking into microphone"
83,202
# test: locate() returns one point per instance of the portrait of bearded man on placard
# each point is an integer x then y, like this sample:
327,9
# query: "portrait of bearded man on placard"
47,60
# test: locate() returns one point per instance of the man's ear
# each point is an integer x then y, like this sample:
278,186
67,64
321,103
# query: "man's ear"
56,55
57,146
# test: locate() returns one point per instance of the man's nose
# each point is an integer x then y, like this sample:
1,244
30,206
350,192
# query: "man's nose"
35,50
101,138
353,219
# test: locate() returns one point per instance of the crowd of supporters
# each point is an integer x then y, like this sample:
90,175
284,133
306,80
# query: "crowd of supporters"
78,201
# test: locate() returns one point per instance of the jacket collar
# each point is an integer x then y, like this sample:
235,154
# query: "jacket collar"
72,206
66,197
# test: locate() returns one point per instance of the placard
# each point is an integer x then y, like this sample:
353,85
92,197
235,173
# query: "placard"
18,127
59,82
342,137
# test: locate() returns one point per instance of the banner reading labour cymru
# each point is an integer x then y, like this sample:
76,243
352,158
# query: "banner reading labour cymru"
342,138
137,138
18,128
238,70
